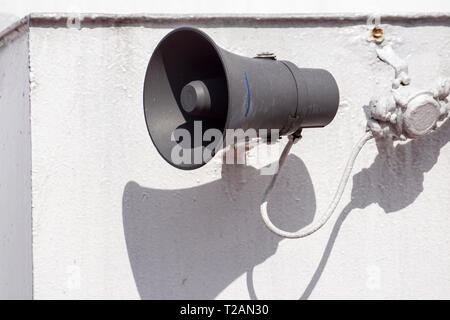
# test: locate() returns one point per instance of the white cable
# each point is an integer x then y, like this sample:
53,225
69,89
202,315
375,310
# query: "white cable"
337,197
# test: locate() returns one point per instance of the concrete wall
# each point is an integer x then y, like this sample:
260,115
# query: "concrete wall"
15,171
111,219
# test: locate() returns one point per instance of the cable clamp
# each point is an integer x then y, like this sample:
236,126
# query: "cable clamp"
296,136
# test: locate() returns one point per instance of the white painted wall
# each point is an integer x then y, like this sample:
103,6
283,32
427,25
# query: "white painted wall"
18,9
15,171
111,219
7,19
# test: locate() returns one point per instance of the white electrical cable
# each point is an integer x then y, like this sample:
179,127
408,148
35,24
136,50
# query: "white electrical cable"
337,197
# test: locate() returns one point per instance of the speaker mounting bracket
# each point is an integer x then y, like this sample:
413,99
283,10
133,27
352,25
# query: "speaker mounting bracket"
266,55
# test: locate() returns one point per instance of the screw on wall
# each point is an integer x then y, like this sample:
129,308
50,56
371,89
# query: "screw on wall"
376,33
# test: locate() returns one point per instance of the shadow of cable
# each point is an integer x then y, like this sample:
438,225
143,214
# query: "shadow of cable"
192,243
393,181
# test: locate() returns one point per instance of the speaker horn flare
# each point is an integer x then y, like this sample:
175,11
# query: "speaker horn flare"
191,80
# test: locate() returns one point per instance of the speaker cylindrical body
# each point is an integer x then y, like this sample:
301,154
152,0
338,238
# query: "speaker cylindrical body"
318,96
245,93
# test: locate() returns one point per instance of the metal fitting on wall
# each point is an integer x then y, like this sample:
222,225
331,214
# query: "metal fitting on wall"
401,116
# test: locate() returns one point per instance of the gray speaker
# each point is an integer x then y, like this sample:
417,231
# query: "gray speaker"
191,80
